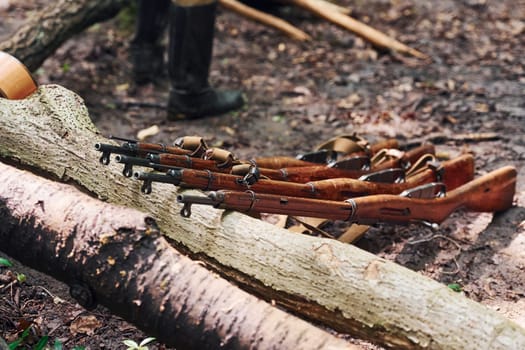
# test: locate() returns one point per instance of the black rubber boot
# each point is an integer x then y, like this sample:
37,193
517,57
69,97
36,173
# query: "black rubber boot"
189,59
146,51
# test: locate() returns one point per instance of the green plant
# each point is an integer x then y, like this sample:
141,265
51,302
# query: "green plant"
455,287
21,278
58,346
21,338
126,18
5,262
42,342
132,345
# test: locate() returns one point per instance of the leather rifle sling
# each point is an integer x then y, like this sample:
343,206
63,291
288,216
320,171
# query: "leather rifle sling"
343,144
16,81
346,144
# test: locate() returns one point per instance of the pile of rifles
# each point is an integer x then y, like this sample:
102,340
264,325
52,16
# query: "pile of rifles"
346,178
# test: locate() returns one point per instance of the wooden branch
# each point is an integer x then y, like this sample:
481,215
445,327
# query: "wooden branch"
332,6
368,33
334,283
325,3
116,256
265,19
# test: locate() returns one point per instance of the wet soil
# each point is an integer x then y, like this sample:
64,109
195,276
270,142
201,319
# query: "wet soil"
300,94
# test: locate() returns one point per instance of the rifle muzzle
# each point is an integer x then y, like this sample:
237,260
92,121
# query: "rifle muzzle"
129,162
107,149
173,176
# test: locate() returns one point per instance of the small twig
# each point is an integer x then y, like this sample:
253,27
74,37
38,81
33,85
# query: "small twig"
55,298
456,271
430,238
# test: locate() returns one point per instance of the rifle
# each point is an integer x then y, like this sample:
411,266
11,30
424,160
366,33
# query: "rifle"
241,168
453,173
228,164
196,147
427,204
133,148
383,160
327,155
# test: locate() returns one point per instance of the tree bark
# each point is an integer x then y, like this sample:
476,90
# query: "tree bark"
51,27
117,256
334,283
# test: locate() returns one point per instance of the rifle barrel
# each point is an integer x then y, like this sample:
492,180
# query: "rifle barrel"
172,176
489,193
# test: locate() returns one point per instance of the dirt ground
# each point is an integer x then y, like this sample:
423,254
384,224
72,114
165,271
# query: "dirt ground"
300,94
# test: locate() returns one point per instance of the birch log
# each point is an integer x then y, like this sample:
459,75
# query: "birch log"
117,257
334,283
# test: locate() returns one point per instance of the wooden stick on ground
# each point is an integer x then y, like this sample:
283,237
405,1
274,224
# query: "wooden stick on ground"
332,6
368,33
266,19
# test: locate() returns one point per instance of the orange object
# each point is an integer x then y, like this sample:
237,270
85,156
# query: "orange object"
16,81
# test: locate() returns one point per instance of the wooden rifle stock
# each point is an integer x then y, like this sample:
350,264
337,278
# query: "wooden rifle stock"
492,192
290,162
452,173
322,172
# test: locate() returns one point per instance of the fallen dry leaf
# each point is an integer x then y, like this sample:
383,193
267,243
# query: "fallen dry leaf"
85,325
148,132
349,102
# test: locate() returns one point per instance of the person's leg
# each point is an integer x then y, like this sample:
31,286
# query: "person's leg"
146,52
192,24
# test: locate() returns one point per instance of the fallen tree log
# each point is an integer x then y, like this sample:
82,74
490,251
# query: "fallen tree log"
38,39
117,257
336,284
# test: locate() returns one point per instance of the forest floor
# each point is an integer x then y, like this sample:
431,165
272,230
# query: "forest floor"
300,94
